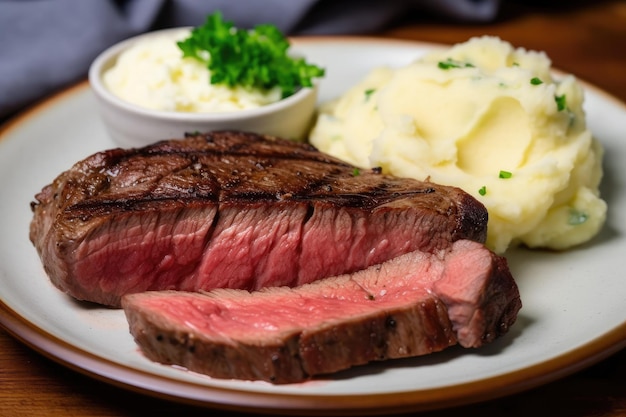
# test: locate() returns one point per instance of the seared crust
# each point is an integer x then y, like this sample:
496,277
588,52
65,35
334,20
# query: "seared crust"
234,167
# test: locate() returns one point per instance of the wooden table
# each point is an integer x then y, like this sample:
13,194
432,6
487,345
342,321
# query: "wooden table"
584,38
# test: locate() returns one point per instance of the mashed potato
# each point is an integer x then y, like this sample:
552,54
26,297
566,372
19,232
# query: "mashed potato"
490,119
153,74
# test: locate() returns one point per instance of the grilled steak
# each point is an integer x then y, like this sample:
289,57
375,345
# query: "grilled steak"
412,305
233,210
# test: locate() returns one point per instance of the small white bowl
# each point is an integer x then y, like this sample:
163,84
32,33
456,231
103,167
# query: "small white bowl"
130,125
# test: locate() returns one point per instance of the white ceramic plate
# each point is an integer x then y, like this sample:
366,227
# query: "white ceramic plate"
574,310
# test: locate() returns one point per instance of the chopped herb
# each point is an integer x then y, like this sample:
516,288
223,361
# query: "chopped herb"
451,63
535,81
369,92
505,174
356,172
483,190
248,58
560,102
576,217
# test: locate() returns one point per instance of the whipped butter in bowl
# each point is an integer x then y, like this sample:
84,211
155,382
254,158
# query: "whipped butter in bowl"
150,88
152,74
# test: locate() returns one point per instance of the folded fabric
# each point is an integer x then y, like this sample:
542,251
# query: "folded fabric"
49,44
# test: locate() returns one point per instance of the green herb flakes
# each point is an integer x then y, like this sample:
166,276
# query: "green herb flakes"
535,81
576,217
451,63
482,190
560,102
369,92
356,172
505,175
254,58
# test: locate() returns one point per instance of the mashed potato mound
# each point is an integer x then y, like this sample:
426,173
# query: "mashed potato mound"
490,119
153,74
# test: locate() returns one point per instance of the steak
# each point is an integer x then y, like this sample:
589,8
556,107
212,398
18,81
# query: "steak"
414,304
233,210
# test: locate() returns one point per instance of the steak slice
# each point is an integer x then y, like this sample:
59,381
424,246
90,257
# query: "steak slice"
412,305
233,210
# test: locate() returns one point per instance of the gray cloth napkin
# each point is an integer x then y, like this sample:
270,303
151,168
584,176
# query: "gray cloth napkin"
46,45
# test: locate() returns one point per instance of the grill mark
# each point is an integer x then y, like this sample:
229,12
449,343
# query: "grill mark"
366,200
360,200
257,155
307,154
94,208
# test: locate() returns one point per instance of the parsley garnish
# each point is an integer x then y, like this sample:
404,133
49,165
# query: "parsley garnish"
356,172
369,92
249,58
535,81
482,190
505,174
451,63
560,102
576,217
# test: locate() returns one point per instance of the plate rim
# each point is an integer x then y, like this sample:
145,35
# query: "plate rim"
158,386
188,392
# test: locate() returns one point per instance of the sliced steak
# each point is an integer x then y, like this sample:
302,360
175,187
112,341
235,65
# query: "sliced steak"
412,305
233,210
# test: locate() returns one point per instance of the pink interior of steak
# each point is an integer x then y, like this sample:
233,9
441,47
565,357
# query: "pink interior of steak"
250,247
414,304
140,253
253,316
